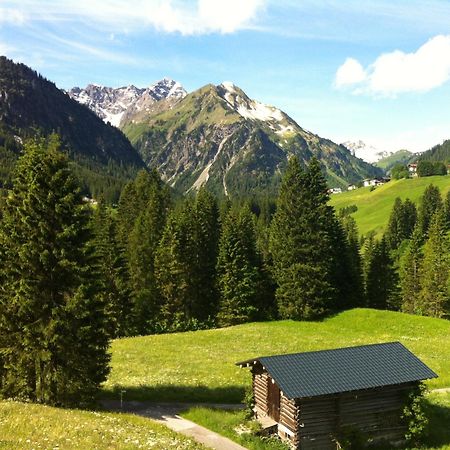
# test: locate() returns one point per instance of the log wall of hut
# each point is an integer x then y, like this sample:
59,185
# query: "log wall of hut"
315,423
376,413
260,390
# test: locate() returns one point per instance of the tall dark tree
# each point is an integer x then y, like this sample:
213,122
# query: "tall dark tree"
431,202
143,241
301,244
434,298
207,229
238,267
410,283
186,261
175,270
381,277
349,260
401,223
113,272
53,338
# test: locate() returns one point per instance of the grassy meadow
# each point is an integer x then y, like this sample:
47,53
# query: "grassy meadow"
29,426
374,207
200,366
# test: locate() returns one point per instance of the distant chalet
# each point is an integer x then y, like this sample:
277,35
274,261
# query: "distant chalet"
310,398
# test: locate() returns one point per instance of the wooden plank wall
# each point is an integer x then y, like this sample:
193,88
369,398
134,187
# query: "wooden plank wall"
376,412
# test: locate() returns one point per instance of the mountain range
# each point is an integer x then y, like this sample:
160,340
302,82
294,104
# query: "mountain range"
216,136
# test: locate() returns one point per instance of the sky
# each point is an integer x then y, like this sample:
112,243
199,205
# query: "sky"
377,71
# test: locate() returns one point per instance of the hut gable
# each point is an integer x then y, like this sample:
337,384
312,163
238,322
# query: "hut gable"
311,395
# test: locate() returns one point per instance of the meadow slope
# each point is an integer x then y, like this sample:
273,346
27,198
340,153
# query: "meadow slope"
200,366
374,207
29,426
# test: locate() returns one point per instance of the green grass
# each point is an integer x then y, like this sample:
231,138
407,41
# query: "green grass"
230,423
200,366
29,426
233,425
374,208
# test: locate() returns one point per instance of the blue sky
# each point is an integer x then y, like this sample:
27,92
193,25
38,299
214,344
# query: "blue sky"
345,69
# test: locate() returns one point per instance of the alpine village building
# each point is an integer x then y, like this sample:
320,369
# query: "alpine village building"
310,398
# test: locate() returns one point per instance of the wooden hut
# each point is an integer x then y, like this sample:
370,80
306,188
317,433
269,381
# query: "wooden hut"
310,399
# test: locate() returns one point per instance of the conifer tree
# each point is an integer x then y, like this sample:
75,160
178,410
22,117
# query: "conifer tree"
401,223
238,268
381,277
410,283
141,251
53,338
301,245
113,272
206,236
431,202
187,255
348,258
434,297
175,268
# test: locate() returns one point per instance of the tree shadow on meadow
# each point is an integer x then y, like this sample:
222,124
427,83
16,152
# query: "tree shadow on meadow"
439,425
176,394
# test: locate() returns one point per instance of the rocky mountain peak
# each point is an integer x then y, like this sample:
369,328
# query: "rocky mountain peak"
112,103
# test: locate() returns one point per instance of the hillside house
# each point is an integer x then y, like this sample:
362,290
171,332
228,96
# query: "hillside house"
412,169
376,181
310,398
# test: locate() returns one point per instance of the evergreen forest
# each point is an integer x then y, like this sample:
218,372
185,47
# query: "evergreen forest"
74,275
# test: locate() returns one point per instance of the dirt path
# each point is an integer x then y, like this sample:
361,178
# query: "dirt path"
441,390
168,415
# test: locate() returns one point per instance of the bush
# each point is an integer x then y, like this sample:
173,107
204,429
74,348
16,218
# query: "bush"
414,416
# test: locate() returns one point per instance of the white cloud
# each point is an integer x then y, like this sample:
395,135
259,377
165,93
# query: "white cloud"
350,73
398,72
187,17
12,15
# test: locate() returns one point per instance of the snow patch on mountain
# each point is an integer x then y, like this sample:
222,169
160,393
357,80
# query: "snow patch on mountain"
111,104
365,151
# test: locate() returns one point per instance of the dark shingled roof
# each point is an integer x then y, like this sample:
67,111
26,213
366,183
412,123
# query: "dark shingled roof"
326,372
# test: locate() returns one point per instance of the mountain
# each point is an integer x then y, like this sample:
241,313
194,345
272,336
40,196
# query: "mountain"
394,158
111,104
440,152
217,136
29,105
365,151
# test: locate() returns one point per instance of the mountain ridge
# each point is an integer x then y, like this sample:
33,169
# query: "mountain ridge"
217,136
31,105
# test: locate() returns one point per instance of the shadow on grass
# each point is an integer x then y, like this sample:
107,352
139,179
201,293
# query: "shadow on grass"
176,394
439,427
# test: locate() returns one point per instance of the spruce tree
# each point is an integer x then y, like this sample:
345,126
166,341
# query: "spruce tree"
381,277
175,268
401,223
431,202
113,272
301,245
53,337
206,235
349,259
238,267
410,285
434,296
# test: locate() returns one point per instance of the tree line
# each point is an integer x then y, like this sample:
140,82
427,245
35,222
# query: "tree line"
74,276
410,262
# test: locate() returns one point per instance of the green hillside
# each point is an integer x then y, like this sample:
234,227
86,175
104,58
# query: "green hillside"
399,157
29,426
374,207
200,366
